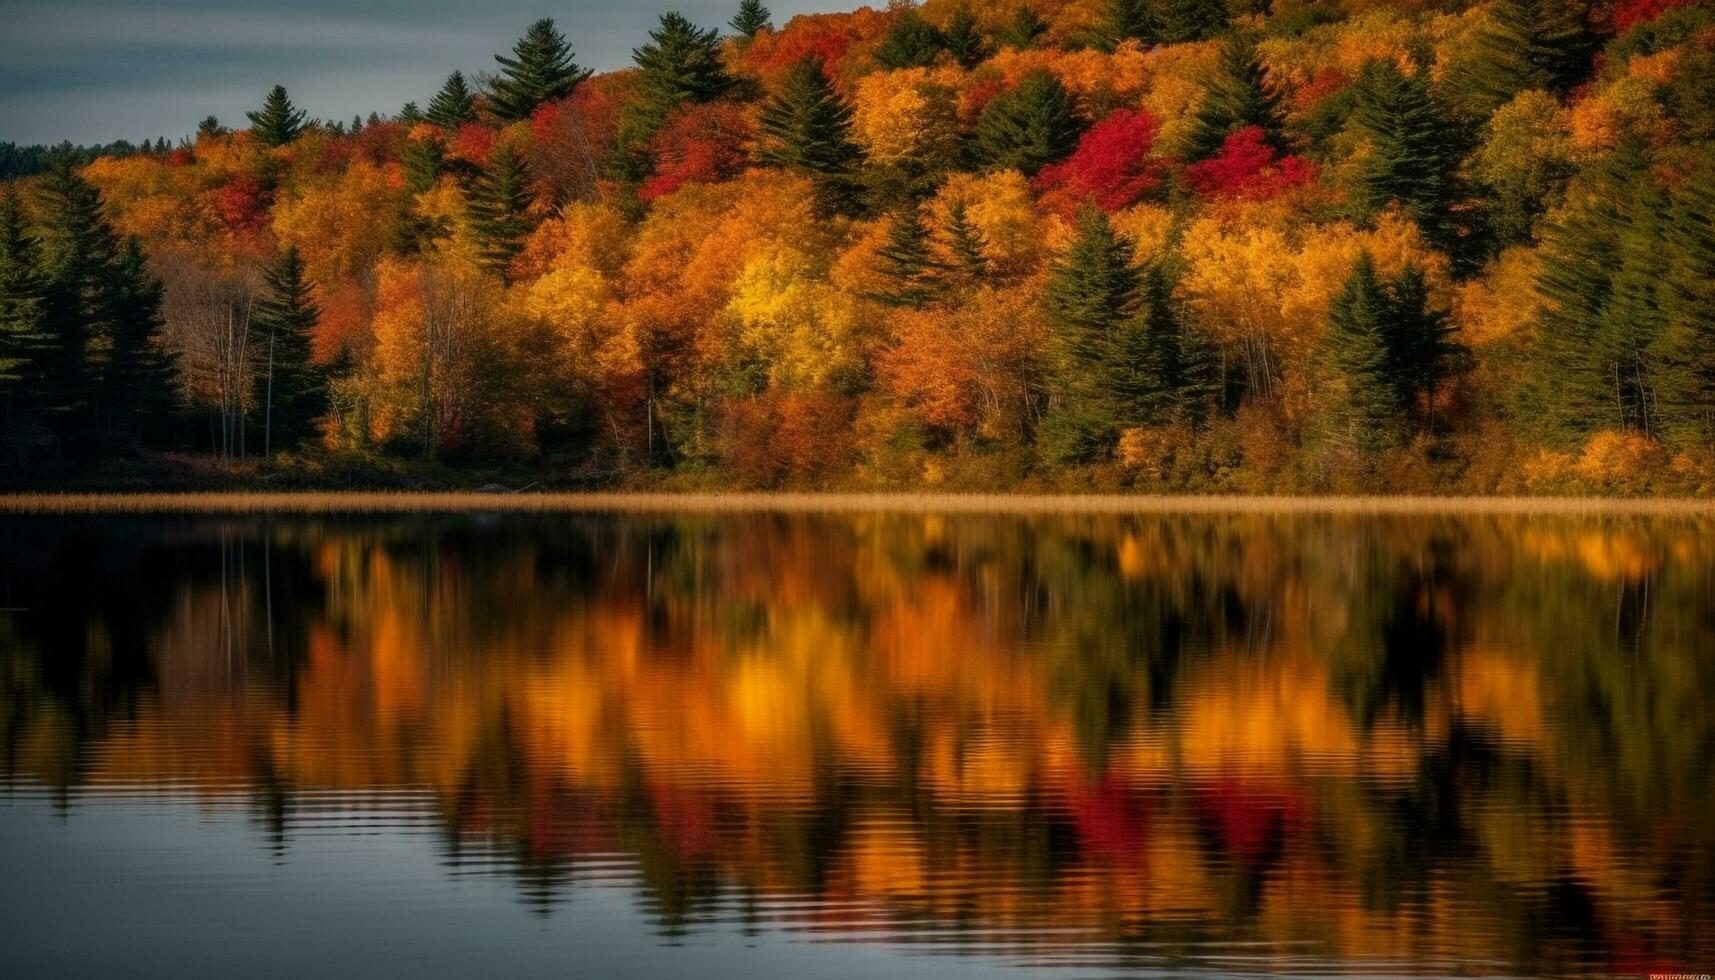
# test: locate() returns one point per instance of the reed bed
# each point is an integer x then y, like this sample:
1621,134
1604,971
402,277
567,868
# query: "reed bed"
807,503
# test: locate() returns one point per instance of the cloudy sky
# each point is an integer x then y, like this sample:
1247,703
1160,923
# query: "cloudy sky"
99,70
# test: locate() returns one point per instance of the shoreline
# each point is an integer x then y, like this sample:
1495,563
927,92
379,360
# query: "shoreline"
386,502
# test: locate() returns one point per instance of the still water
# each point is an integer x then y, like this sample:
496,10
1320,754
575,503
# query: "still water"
858,745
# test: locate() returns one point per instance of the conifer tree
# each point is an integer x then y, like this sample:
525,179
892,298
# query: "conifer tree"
290,391
911,270
1240,95
1526,44
752,18
410,114
140,383
806,127
1024,29
500,208
1683,349
23,314
1092,293
1127,20
1031,126
454,105
1177,21
965,243
1411,156
1421,343
964,39
1366,413
278,122
680,64
423,160
210,126
911,42
540,70
79,255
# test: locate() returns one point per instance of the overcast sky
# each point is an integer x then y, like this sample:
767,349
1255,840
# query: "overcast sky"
100,70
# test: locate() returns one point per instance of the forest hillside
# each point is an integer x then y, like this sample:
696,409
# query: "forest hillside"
1056,244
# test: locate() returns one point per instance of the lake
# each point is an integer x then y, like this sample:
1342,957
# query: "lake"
856,745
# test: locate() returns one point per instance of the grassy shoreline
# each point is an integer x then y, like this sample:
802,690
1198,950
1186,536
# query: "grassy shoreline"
311,502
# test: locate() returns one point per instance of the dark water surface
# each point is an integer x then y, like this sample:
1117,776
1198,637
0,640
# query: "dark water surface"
842,746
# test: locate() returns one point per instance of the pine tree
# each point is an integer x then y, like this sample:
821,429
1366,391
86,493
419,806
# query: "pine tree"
410,115
1526,44
911,270
1421,344
1366,414
540,70
752,18
290,393
1128,20
911,42
1683,349
1031,126
965,243
1093,291
806,127
23,315
1239,96
423,160
210,126
1024,29
964,39
1411,156
500,208
140,385
1178,21
79,254
278,122
680,64
454,105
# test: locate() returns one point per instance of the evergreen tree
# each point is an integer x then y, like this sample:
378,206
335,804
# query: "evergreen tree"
1421,344
500,208
964,39
423,160
1366,414
210,126
79,254
1526,44
410,115
1683,349
1239,96
1033,125
966,244
1411,157
1093,291
140,384
1178,21
752,19
1128,20
806,127
23,314
681,63
540,70
912,272
290,392
1024,29
454,105
278,122
911,42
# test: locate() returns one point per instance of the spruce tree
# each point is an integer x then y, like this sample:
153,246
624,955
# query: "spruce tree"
23,315
423,160
410,115
540,70
278,122
680,64
1128,20
752,18
210,126
911,42
79,255
140,384
1178,21
1525,44
964,39
1683,349
1240,95
454,105
1093,291
1421,343
806,127
1024,29
290,391
1029,127
966,245
912,272
500,208
1411,156
1365,415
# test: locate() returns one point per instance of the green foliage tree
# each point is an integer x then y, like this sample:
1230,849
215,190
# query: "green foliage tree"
1034,124
210,126
680,64
1687,305
964,40
500,208
1127,20
290,393
752,18
1240,95
278,122
454,105
23,315
1093,292
1411,156
1366,413
410,114
79,253
1178,21
1024,30
911,42
807,127
1422,345
1525,44
140,382
965,243
913,274
540,70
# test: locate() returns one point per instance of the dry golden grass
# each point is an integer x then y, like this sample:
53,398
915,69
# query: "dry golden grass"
403,502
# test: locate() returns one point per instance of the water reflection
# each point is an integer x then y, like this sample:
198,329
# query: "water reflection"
1400,744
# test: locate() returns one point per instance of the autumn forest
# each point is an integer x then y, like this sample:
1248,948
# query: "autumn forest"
1162,245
